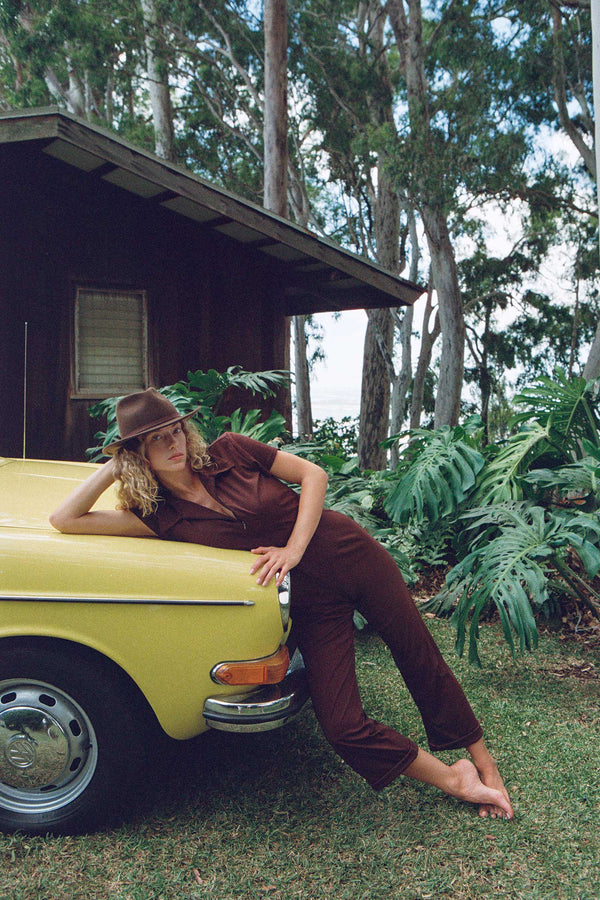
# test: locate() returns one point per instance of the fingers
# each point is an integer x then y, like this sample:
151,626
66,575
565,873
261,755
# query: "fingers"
274,562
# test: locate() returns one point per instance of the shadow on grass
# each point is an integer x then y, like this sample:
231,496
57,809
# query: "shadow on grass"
218,770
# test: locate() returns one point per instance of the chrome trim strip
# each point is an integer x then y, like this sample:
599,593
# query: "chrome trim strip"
147,602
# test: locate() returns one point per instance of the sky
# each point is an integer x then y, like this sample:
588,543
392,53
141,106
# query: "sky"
335,382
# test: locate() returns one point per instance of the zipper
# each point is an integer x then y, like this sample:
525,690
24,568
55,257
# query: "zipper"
230,515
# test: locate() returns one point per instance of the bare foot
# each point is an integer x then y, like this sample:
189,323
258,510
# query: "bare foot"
490,776
485,789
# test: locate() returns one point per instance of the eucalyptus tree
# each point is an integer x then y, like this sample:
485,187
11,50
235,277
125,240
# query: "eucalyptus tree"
235,125
404,117
84,57
475,88
157,68
339,51
422,102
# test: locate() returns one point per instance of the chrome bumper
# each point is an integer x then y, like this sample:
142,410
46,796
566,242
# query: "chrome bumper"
263,709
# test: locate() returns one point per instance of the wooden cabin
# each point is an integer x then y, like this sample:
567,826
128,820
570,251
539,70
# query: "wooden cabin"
119,271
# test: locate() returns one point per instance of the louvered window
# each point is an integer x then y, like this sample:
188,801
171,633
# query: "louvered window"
111,343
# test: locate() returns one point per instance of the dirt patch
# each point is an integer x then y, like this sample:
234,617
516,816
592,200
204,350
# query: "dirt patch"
429,583
581,669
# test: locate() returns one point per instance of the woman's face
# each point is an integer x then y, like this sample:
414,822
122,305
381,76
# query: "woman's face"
166,449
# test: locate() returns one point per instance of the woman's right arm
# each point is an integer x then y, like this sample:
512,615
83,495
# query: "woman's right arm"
73,515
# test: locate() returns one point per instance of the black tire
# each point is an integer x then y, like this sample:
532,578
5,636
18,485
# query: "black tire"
73,740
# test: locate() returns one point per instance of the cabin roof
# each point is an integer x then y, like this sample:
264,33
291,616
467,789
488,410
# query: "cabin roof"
320,276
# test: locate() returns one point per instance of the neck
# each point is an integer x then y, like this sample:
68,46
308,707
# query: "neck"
180,482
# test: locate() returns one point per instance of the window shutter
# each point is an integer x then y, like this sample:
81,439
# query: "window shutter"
111,352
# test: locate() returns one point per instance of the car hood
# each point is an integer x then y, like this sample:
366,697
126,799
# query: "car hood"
31,489
37,561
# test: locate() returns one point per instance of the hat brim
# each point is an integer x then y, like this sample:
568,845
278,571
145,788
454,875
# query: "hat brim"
112,448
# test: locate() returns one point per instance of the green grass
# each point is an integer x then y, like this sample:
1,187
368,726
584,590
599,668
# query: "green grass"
279,816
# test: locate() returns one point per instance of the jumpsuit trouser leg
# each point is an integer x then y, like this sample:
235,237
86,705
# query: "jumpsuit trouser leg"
325,633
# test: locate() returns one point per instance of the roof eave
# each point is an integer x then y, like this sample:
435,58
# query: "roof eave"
91,148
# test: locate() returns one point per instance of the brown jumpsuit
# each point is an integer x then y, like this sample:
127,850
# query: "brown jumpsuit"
343,569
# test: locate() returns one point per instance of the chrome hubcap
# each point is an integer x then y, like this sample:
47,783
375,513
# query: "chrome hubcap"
48,750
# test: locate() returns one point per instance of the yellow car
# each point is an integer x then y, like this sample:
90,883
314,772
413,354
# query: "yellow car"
103,639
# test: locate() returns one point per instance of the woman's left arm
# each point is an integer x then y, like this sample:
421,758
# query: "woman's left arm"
277,561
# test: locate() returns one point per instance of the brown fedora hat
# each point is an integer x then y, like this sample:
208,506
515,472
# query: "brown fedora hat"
145,411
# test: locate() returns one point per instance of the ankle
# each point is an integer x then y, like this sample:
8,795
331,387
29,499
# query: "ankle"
489,767
482,758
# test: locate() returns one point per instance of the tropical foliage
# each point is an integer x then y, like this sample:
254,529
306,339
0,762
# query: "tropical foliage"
441,475
204,392
522,516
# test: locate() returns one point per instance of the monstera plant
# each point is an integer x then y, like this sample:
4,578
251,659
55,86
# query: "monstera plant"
524,514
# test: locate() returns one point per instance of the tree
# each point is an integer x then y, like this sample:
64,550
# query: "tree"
275,127
340,50
84,57
158,82
557,68
302,379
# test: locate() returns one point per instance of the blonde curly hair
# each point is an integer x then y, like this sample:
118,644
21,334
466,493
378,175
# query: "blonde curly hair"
137,487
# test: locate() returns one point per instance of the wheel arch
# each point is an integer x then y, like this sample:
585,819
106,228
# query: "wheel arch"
88,654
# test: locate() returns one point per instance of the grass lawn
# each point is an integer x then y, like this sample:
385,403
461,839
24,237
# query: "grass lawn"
279,816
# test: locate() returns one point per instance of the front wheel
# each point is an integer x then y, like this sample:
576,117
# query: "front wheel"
71,743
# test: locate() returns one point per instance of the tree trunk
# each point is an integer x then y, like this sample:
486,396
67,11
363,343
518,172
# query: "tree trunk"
275,129
275,116
452,322
592,366
428,339
303,404
401,383
376,375
429,180
375,392
571,127
158,83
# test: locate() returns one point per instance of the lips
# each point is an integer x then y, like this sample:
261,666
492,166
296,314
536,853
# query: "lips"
176,456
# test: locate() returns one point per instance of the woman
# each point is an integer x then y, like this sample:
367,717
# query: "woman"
232,495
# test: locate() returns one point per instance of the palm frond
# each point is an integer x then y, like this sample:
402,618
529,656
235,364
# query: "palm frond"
265,383
249,424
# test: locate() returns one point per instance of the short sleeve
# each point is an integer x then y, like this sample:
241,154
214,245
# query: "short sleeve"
240,450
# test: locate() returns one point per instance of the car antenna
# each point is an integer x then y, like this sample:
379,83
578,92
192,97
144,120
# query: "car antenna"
25,393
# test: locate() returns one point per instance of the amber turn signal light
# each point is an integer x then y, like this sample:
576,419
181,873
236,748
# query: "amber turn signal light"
268,670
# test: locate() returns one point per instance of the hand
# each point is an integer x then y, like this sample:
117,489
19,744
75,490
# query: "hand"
274,562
